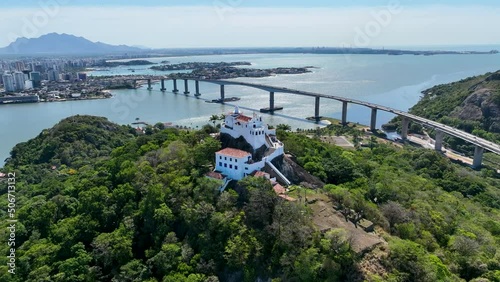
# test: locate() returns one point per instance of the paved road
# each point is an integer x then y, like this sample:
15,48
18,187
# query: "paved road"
426,143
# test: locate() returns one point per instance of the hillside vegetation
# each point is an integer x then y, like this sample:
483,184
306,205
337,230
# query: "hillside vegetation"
471,104
97,202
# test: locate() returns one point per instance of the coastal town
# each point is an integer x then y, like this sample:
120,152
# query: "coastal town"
49,80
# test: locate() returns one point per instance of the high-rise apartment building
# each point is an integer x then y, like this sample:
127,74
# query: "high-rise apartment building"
8,82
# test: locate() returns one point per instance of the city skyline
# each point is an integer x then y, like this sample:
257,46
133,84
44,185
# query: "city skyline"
238,23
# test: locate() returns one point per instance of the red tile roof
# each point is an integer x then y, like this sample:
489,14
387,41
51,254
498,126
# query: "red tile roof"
215,175
262,174
290,199
230,152
279,189
281,192
243,118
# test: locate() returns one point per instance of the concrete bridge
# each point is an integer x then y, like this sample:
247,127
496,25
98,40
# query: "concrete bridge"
441,129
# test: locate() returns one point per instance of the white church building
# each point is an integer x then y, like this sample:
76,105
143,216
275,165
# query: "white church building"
235,164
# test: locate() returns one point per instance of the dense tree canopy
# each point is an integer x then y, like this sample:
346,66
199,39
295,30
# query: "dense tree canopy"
96,202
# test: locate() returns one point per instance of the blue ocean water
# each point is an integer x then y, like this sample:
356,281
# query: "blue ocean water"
395,81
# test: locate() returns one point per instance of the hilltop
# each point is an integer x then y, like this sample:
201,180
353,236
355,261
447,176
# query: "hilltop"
471,104
96,201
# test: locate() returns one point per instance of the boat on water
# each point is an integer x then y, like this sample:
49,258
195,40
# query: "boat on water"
230,99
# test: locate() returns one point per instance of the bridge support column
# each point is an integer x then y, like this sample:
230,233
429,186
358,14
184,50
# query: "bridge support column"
149,85
478,157
175,86
271,101
222,93
272,108
163,89
373,123
344,113
186,87
438,145
135,84
316,109
404,128
197,87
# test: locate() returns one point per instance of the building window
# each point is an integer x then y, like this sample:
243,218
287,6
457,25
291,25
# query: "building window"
236,160
220,163
230,159
225,158
246,168
220,157
230,166
236,167
225,165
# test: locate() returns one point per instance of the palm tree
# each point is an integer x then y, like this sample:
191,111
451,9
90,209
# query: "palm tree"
284,127
214,118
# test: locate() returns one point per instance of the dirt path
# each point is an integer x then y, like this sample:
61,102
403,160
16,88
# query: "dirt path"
326,217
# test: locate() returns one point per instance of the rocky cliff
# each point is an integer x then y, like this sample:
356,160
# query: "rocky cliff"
480,106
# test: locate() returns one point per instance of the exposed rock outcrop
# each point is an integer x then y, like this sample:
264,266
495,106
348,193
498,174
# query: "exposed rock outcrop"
480,106
296,174
241,144
494,76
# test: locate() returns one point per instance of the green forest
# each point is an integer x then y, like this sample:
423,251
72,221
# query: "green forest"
96,201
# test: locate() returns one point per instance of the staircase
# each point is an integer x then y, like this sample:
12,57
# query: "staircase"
278,173
224,186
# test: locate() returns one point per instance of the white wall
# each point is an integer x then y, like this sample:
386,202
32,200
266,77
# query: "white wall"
233,167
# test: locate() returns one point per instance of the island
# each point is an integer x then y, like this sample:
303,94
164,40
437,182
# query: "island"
225,70
197,65
108,64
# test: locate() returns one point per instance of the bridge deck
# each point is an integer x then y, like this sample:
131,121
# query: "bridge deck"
487,145
490,146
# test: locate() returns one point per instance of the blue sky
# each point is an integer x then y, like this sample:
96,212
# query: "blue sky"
257,23
245,3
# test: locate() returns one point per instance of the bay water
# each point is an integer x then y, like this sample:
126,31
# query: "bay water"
395,81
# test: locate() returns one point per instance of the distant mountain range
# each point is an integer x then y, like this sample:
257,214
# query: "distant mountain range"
55,43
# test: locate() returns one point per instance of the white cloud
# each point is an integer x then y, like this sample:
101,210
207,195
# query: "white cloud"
211,27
